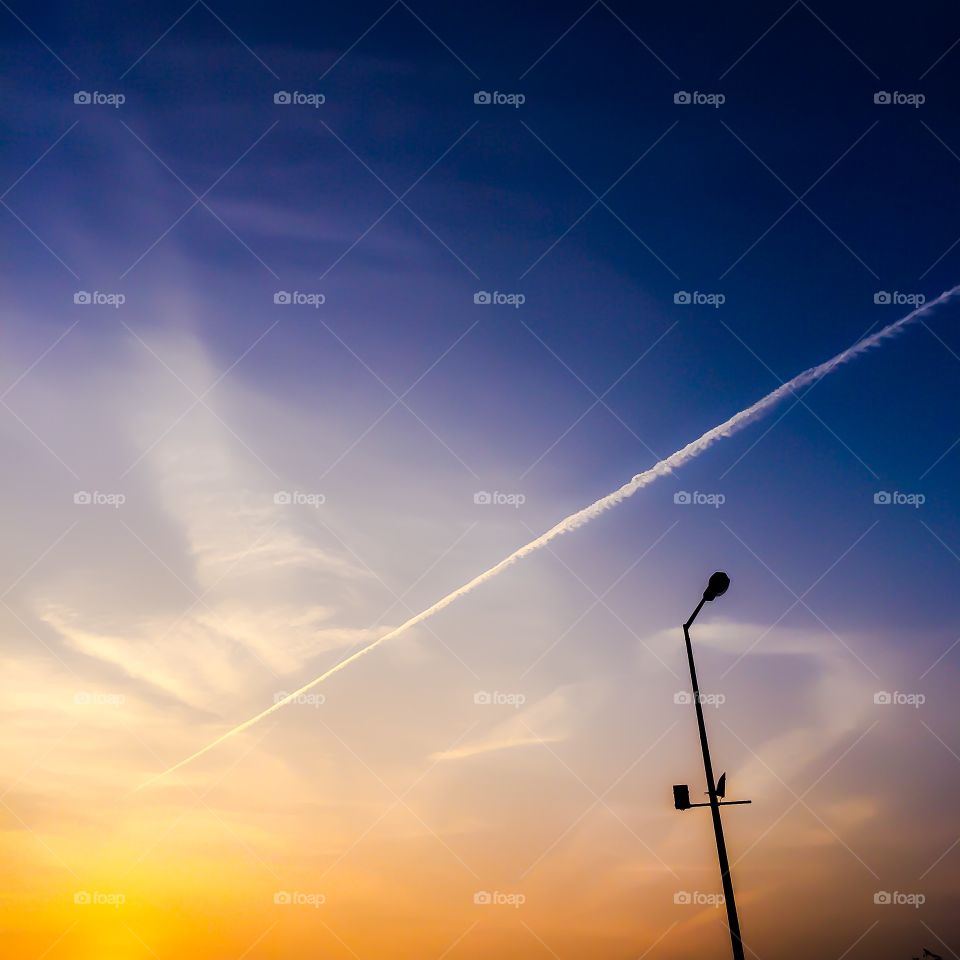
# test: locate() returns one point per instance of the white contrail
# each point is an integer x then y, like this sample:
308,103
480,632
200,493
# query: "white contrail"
581,517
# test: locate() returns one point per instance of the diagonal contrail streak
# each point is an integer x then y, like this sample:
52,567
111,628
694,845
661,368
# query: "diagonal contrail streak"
737,422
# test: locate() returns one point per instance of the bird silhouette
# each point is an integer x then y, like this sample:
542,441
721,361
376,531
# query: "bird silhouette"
931,954
722,789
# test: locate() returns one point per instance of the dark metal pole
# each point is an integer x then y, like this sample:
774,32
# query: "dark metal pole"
731,904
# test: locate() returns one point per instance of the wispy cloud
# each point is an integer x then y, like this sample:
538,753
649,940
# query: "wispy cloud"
549,720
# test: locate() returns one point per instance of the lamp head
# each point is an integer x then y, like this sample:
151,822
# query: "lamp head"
717,586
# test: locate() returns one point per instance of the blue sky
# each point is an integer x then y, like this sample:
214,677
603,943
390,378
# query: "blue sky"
796,209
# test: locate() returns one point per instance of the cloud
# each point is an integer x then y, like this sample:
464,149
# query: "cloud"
202,587
549,720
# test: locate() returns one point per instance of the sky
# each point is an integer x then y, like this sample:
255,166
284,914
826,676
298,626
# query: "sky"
313,314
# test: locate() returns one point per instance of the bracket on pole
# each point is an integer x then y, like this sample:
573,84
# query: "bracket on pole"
681,799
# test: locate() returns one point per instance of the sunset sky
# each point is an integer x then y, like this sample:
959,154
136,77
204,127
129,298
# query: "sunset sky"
256,413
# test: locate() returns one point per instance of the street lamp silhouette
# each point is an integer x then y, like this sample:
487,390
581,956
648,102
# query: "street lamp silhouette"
716,587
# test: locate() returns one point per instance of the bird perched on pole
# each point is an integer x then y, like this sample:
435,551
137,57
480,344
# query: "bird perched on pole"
722,789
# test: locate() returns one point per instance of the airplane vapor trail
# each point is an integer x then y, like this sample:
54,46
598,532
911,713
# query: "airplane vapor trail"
734,424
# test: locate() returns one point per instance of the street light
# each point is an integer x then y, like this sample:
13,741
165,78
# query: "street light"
716,587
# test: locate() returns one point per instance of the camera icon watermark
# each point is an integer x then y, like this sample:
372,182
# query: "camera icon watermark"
885,698
84,698
496,298
685,698
301,699
295,898
685,498
496,898
695,898
896,98
98,298
895,297
496,98
96,898
88,498
95,98
484,498
887,898
298,99
696,98
697,299
896,498
486,698
297,299
286,498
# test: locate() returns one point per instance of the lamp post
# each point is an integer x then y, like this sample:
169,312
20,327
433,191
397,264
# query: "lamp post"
716,587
